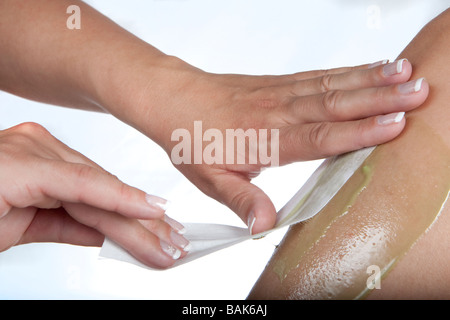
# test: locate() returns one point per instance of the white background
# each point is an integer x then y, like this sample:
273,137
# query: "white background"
224,36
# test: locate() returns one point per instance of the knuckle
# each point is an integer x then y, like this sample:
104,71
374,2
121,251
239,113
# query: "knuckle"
325,82
125,195
379,96
83,172
237,201
330,102
25,134
30,128
360,131
84,175
317,136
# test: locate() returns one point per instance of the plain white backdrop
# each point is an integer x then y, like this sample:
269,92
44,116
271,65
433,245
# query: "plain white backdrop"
223,36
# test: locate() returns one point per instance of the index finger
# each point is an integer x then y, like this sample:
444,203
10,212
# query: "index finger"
397,72
80,183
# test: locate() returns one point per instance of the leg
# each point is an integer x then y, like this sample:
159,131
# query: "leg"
381,216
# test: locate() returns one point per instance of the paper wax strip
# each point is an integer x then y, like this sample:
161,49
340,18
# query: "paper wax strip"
318,190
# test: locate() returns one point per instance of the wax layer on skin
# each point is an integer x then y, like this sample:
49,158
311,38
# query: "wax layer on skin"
329,255
283,266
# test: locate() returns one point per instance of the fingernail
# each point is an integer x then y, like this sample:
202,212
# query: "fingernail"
378,63
156,202
178,227
180,241
391,118
393,68
170,250
251,221
410,86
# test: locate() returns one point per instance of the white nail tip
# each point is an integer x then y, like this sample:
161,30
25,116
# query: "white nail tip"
187,248
399,117
391,118
251,222
170,250
393,68
178,227
400,65
177,254
157,202
411,86
418,84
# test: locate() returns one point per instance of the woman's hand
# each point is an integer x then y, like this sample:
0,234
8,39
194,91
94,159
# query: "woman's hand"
103,67
51,193
316,114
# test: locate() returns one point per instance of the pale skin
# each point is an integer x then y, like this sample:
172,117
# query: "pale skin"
103,68
422,272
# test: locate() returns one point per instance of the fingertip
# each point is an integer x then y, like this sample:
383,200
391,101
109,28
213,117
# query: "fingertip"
158,254
422,90
261,218
385,128
177,226
397,71
157,206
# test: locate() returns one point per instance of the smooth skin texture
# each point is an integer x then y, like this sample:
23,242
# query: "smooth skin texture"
423,272
102,67
51,193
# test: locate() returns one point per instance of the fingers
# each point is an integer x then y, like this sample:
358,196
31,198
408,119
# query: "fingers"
341,105
153,242
55,225
307,75
13,225
324,139
42,172
248,201
79,183
382,75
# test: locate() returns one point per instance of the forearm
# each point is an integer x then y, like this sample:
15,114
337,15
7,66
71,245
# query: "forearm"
97,67
378,215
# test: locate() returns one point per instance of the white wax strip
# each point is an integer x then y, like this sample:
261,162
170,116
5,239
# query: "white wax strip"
318,190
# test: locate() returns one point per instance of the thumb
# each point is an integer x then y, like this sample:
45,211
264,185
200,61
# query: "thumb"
248,201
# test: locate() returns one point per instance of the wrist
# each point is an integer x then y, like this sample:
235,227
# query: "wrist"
141,88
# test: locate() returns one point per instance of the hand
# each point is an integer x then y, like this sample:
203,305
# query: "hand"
52,193
317,114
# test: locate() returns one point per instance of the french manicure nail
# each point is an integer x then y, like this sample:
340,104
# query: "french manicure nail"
410,86
178,227
378,63
390,118
393,68
170,250
156,202
251,221
180,241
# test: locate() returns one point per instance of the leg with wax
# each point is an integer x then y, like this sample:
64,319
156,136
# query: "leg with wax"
386,233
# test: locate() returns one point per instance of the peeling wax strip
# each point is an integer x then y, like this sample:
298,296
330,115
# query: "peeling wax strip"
323,184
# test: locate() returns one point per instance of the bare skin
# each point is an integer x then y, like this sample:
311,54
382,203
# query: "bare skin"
102,67
51,193
410,179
